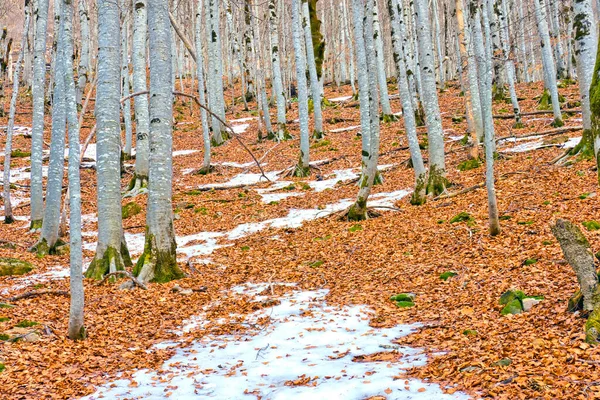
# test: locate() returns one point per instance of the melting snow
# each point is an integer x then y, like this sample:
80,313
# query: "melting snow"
240,128
235,121
18,130
184,152
340,99
245,179
298,355
21,282
348,128
537,144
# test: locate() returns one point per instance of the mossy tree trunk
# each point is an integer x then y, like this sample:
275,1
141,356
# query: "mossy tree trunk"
111,252
578,254
158,262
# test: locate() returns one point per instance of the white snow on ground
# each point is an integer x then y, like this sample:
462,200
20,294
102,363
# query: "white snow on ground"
348,128
238,165
18,130
273,197
240,128
236,121
306,340
184,152
340,99
536,144
21,282
245,179
24,174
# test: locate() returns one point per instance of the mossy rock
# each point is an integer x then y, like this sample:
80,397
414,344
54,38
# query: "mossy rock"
20,154
513,307
510,295
404,297
591,225
14,266
130,209
447,275
470,332
26,324
469,164
529,261
405,304
505,362
461,217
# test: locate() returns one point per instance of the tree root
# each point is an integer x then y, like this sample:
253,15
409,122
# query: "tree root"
134,280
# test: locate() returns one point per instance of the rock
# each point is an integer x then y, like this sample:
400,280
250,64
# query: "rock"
24,334
31,337
14,266
128,285
470,368
510,295
130,209
179,289
529,302
404,297
505,362
513,307
447,275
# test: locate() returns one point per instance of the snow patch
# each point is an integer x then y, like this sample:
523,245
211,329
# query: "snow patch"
184,152
299,355
240,128
348,128
340,99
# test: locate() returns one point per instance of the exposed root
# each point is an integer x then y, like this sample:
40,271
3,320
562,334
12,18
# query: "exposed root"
36,293
135,281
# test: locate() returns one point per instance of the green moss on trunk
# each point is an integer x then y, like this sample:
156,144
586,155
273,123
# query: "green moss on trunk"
419,197
101,264
162,263
358,211
437,182
36,225
137,179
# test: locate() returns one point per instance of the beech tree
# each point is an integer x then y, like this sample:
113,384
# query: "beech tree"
158,262
8,215
111,251
40,13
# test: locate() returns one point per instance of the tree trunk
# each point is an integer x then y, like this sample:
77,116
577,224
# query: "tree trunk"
126,105
201,89
437,169
277,89
158,262
302,168
410,125
578,254
548,62
312,72
84,56
40,13
8,215
140,103
76,326
386,108
586,46
508,63
111,252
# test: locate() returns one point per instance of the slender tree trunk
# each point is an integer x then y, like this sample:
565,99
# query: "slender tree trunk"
508,63
548,62
84,56
312,71
201,89
366,57
484,63
142,119
472,100
525,66
437,168
8,215
277,89
111,252
595,110
49,238
158,263
386,108
302,168
558,47
40,13
76,326
126,105
410,126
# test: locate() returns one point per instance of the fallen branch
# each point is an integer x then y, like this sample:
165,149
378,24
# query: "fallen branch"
36,293
184,39
465,190
136,281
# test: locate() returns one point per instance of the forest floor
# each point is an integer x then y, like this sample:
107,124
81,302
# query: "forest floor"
268,253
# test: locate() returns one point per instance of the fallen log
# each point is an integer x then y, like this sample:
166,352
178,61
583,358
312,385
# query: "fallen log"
36,293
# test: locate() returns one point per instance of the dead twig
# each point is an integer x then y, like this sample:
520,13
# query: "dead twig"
36,293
